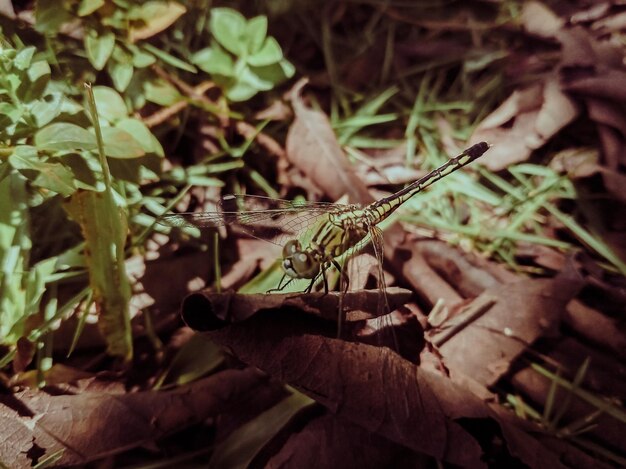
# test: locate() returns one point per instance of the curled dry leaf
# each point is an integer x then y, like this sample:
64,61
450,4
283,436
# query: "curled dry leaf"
206,311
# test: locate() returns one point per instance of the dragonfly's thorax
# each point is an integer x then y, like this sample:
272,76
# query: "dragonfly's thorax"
339,233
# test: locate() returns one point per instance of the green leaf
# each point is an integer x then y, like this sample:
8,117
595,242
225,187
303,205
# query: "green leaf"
275,73
256,31
120,69
214,61
204,181
110,104
141,59
15,244
23,58
63,136
120,144
249,76
104,227
161,92
228,27
170,59
241,92
39,77
269,54
87,7
50,15
13,81
9,115
154,17
99,48
149,143
53,176
46,109
84,176
56,177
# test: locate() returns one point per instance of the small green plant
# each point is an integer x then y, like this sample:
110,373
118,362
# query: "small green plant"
113,33
49,150
242,58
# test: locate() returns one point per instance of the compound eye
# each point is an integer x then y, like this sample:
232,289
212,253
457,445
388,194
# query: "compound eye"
304,265
291,247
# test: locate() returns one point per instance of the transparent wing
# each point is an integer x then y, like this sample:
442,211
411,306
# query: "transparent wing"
274,220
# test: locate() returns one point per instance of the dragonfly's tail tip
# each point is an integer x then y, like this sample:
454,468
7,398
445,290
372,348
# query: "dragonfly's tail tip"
477,150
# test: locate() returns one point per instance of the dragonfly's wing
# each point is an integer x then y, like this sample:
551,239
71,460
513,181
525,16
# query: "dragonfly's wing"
274,220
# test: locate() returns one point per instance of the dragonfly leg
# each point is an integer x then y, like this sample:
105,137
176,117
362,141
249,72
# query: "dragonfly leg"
280,286
344,277
343,280
322,272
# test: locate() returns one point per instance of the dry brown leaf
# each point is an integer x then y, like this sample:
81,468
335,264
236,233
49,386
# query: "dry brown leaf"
184,274
456,269
524,122
483,350
594,12
541,255
410,263
94,425
608,112
596,327
366,386
580,50
313,148
539,20
373,388
581,163
207,310
6,9
326,440
613,23
609,85
277,110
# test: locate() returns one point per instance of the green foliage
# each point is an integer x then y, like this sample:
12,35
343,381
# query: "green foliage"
49,151
49,148
241,57
21,289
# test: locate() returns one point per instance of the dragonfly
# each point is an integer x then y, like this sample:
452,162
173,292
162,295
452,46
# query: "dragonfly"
314,235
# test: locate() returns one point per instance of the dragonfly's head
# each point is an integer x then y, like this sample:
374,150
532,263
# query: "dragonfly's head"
298,262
